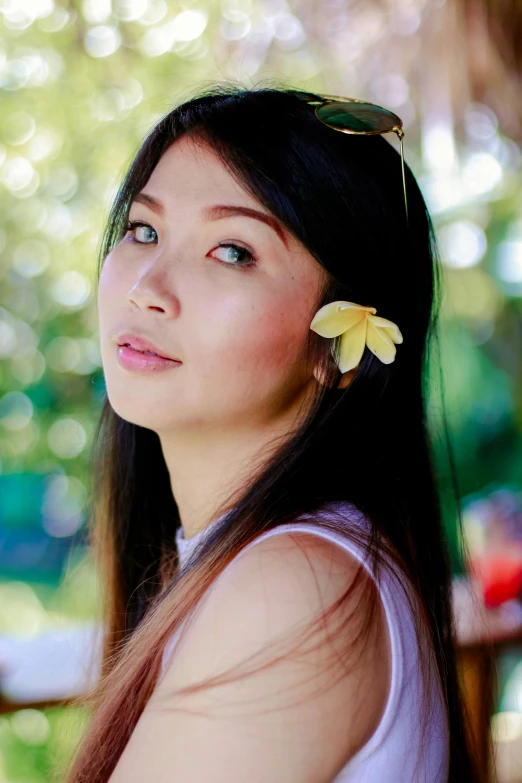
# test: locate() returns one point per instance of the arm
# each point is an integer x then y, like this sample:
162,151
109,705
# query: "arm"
298,719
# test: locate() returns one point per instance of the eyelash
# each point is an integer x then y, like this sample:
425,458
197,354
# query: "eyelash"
253,262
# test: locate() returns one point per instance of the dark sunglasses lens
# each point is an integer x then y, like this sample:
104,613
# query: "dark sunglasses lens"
362,117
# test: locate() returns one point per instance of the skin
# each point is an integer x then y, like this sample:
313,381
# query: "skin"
304,712
244,382
240,333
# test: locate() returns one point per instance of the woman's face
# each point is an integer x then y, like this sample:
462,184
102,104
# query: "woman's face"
239,331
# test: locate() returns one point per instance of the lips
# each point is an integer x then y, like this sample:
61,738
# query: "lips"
143,346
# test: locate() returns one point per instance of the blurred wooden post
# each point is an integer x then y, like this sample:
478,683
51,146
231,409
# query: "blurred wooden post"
482,633
475,669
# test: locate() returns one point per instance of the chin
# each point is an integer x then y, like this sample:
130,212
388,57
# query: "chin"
155,414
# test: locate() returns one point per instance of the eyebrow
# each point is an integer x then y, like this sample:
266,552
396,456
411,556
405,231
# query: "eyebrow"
219,212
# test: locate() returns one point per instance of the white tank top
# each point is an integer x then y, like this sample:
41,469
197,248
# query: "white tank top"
391,753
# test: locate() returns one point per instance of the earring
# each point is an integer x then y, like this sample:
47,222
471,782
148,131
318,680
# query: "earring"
359,326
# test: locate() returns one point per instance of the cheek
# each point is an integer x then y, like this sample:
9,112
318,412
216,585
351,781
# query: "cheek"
278,341
263,346
104,297
107,289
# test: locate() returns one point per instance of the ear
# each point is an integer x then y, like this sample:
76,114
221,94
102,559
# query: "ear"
346,378
330,382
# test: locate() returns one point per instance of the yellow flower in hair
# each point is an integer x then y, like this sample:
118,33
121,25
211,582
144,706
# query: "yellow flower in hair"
359,326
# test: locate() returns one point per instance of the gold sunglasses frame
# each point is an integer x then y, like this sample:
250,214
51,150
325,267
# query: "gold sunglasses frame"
397,128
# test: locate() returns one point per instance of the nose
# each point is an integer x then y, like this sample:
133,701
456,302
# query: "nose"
153,292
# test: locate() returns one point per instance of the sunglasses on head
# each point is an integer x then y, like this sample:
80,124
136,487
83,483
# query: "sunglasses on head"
350,115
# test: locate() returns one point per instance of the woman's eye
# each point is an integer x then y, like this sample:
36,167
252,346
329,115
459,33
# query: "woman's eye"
236,255
134,226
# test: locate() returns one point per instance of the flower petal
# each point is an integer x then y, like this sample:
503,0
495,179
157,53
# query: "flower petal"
329,321
348,305
352,346
380,344
392,330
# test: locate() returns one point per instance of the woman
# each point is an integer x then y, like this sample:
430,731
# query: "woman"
277,480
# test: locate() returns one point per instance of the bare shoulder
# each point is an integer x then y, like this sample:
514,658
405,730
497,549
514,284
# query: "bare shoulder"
296,682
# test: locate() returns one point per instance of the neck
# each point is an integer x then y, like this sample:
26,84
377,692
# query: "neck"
207,469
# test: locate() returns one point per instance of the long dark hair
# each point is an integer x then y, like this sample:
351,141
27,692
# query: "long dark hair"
341,197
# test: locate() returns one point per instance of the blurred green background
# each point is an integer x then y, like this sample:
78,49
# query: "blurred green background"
81,83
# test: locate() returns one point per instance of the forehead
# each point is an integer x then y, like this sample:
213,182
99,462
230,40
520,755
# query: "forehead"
190,169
